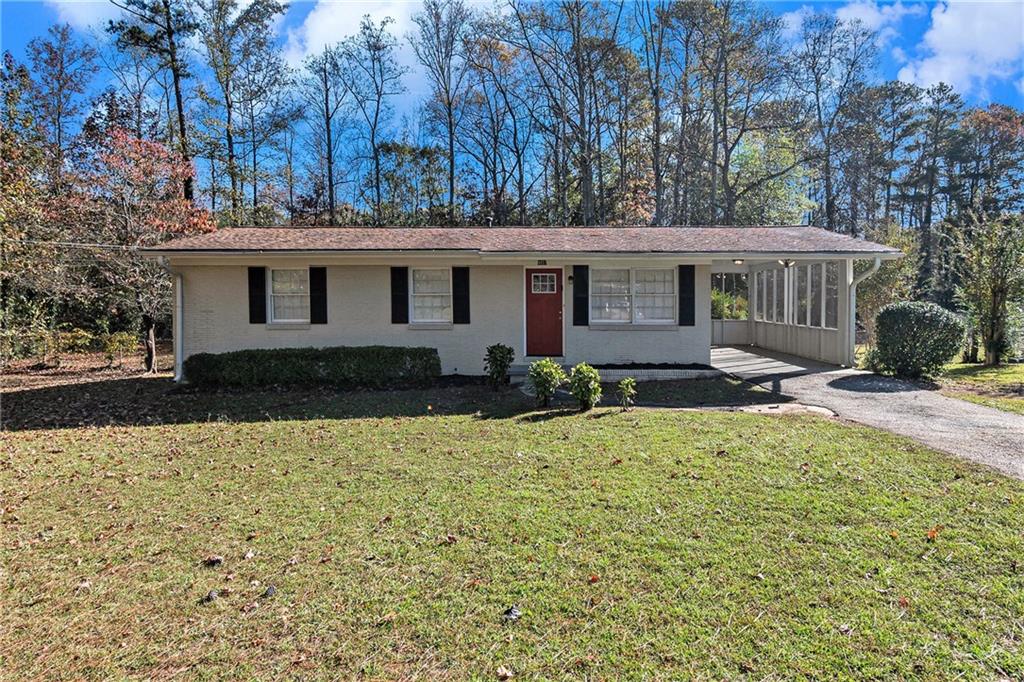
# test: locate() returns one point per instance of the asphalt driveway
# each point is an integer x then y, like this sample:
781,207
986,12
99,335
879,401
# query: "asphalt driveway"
974,432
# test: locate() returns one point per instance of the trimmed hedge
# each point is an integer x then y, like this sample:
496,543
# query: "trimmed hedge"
349,366
915,339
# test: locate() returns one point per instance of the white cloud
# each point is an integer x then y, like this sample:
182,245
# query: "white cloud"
883,19
84,14
331,21
968,45
792,22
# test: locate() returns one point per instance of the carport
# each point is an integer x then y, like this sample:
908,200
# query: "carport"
802,307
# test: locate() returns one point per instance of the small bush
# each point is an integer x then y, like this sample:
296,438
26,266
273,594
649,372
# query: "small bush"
497,362
74,341
117,344
585,385
545,376
626,390
344,366
915,339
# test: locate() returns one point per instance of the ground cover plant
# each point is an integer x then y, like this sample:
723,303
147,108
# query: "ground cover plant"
1001,387
397,528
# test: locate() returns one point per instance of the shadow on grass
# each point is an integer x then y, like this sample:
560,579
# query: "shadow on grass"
143,401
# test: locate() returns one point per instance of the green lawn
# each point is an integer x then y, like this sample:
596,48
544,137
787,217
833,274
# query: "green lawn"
397,528
1000,387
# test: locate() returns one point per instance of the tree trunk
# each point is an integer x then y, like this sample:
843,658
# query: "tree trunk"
149,339
329,152
451,165
172,51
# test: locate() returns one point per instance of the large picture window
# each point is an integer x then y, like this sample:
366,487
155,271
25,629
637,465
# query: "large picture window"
640,296
289,295
431,295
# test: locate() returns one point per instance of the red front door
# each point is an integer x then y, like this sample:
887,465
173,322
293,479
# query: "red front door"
544,311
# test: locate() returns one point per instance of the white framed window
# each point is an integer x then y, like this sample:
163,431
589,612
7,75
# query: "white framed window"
289,295
543,283
638,296
431,299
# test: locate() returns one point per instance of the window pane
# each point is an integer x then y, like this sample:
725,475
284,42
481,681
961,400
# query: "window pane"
431,308
832,295
769,301
801,295
609,308
780,295
654,282
290,307
289,281
609,281
651,307
815,294
430,281
543,283
759,298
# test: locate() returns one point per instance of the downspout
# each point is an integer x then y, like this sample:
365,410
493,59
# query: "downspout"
179,321
852,348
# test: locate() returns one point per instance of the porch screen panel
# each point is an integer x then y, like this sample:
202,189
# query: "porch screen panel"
780,295
832,295
801,295
759,295
816,295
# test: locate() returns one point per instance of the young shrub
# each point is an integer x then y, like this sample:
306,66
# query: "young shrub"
75,341
585,385
627,393
497,362
915,339
116,345
545,376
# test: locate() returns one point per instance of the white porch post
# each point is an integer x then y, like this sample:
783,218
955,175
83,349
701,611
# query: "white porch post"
851,348
179,326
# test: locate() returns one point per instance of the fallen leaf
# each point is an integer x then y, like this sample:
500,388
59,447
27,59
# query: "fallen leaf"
593,578
213,560
904,602
504,673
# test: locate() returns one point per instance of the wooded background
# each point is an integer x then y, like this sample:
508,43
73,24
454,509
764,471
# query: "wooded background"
552,113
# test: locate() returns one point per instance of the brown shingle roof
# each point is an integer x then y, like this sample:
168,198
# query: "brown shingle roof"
497,240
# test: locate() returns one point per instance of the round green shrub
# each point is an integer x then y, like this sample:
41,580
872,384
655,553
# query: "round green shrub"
545,376
915,339
585,385
497,362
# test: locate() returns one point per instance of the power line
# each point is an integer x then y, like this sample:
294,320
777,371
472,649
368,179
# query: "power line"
75,245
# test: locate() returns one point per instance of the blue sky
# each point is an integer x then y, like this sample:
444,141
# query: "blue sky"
976,45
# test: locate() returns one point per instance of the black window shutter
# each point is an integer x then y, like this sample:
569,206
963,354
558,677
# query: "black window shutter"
257,295
687,296
318,295
460,295
399,295
580,295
